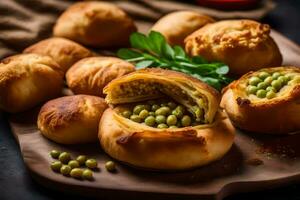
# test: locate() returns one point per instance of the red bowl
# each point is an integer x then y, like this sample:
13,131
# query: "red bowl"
230,4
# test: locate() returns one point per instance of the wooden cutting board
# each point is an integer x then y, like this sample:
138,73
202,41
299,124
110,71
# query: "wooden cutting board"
255,162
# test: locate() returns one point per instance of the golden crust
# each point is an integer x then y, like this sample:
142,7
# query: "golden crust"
65,52
152,148
236,43
177,25
97,24
27,80
91,75
279,115
71,119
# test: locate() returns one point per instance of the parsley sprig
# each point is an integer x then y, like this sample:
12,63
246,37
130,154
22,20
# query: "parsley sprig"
154,51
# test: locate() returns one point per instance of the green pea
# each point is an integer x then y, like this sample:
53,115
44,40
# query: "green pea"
180,108
81,159
270,88
143,114
87,174
252,89
282,79
162,111
155,107
162,126
65,170
110,166
276,84
135,118
275,75
171,105
150,121
64,157
288,77
198,112
178,124
177,113
138,108
126,113
262,85
152,113
263,75
254,80
171,120
261,93
268,80
56,165
173,126
91,163
270,94
73,164
54,153
160,119
76,173
186,120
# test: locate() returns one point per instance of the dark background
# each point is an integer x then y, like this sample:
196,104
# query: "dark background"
15,182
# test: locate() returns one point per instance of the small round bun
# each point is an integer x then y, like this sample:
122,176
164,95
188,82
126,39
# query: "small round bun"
71,119
91,75
96,24
65,52
276,115
27,80
176,26
244,45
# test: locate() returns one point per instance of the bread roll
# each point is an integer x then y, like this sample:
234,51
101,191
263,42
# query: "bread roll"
96,24
65,52
151,147
177,25
27,80
71,119
91,75
244,45
263,108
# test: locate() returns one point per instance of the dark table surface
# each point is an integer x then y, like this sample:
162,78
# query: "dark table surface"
16,183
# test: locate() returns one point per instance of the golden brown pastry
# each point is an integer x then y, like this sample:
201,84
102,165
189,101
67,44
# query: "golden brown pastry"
244,45
265,101
27,80
71,119
176,26
65,52
91,75
96,24
189,128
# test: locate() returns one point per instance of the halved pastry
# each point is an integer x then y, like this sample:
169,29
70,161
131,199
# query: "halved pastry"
265,101
164,120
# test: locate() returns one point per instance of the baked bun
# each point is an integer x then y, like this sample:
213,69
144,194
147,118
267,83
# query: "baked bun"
265,101
91,75
71,119
244,45
96,24
27,80
65,52
207,138
176,26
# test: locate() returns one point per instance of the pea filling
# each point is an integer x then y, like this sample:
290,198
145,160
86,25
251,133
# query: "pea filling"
163,113
267,85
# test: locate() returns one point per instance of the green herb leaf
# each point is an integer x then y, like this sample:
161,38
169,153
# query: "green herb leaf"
144,64
128,54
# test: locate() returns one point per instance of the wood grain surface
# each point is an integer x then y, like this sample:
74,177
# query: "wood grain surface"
255,162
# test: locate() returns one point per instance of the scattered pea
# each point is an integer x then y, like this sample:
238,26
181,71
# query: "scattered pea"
270,94
143,114
276,84
262,85
263,75
81,159
261,93
76,173
162,126
73,164
127,113
91,163
172,105
252,89
150,121
173,126
171,120
135,118
282,79
155,107
162,111
254,80
180,108
137,109
56,165
87,174
65,170
64,157
186,120
54,154
270,88
275,75
177,113
268,80
152,113
160,119
110,166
